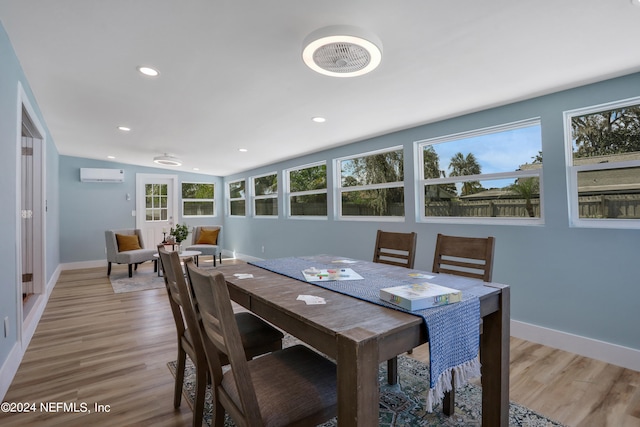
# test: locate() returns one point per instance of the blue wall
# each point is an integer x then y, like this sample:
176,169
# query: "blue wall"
11,75
89,208
580,281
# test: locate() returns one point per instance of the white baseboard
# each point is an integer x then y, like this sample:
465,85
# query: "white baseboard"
607,352
84,264
29,325
9,369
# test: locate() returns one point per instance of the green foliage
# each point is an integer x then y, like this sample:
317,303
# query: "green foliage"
462,166
527,188
607,132
179,232
431,163
380,168
307,179
197,191
265,185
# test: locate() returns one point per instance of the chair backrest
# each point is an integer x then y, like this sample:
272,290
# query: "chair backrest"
223,338
464,256
183,312
395,248
197,229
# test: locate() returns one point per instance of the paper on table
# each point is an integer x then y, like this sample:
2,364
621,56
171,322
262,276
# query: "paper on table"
344,261
421,276
314,275
311,300
244,275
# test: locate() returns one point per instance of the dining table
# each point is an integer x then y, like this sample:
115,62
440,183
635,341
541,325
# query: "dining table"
360,334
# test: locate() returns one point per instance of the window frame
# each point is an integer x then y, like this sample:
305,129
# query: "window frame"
339,189
572,171
255,197
289,194
421,182
236,199
212,200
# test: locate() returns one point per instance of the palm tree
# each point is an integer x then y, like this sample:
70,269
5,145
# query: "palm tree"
527,188
462,166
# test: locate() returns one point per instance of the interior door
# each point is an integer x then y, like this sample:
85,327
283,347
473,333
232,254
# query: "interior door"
156,206
31,213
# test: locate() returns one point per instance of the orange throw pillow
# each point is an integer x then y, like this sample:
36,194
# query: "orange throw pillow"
128,242
208,237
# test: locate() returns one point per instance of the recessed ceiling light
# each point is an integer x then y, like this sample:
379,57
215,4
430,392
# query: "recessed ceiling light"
111,157
196,169
319,119
148,71
124,128
635,2
242,150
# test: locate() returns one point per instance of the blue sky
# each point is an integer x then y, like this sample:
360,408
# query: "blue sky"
498,152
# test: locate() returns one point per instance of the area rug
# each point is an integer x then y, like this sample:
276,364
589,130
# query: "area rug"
403,405
143,279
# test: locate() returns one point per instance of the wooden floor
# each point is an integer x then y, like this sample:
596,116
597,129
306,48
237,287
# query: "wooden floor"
96,347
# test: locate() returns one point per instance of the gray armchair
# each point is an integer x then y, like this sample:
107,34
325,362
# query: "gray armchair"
206,248
131,257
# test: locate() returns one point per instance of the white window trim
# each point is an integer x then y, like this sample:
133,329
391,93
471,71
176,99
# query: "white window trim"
213,201
420,181
255,197
289,193
235,199
572,171
338,189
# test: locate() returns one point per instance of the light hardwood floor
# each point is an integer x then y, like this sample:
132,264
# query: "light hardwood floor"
96,347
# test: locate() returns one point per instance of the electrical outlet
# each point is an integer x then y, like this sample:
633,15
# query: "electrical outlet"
262,248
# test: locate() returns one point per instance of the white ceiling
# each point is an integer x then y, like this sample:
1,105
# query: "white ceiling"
232,75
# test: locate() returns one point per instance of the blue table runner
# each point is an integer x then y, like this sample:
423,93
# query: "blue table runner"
453,330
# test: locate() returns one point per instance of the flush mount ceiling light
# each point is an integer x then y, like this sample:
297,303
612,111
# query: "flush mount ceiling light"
167,160
342,51
148,71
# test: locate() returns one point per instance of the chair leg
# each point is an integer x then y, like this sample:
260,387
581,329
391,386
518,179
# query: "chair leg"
392,371
214,260
130,270
108,269
220,256
177,392
201,387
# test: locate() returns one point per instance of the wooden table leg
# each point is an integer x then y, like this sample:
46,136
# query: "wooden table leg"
494,357
358,395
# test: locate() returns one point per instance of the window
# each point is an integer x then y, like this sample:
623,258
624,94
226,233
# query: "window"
197,199
155,196
265,195
371,185
307,188
237,198
486,175
603,165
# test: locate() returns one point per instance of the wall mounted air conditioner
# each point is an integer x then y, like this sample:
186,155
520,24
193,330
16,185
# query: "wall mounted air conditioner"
101,175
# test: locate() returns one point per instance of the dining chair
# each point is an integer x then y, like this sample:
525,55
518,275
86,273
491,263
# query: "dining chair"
464,256
257,336
293,386
468,257
395,248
